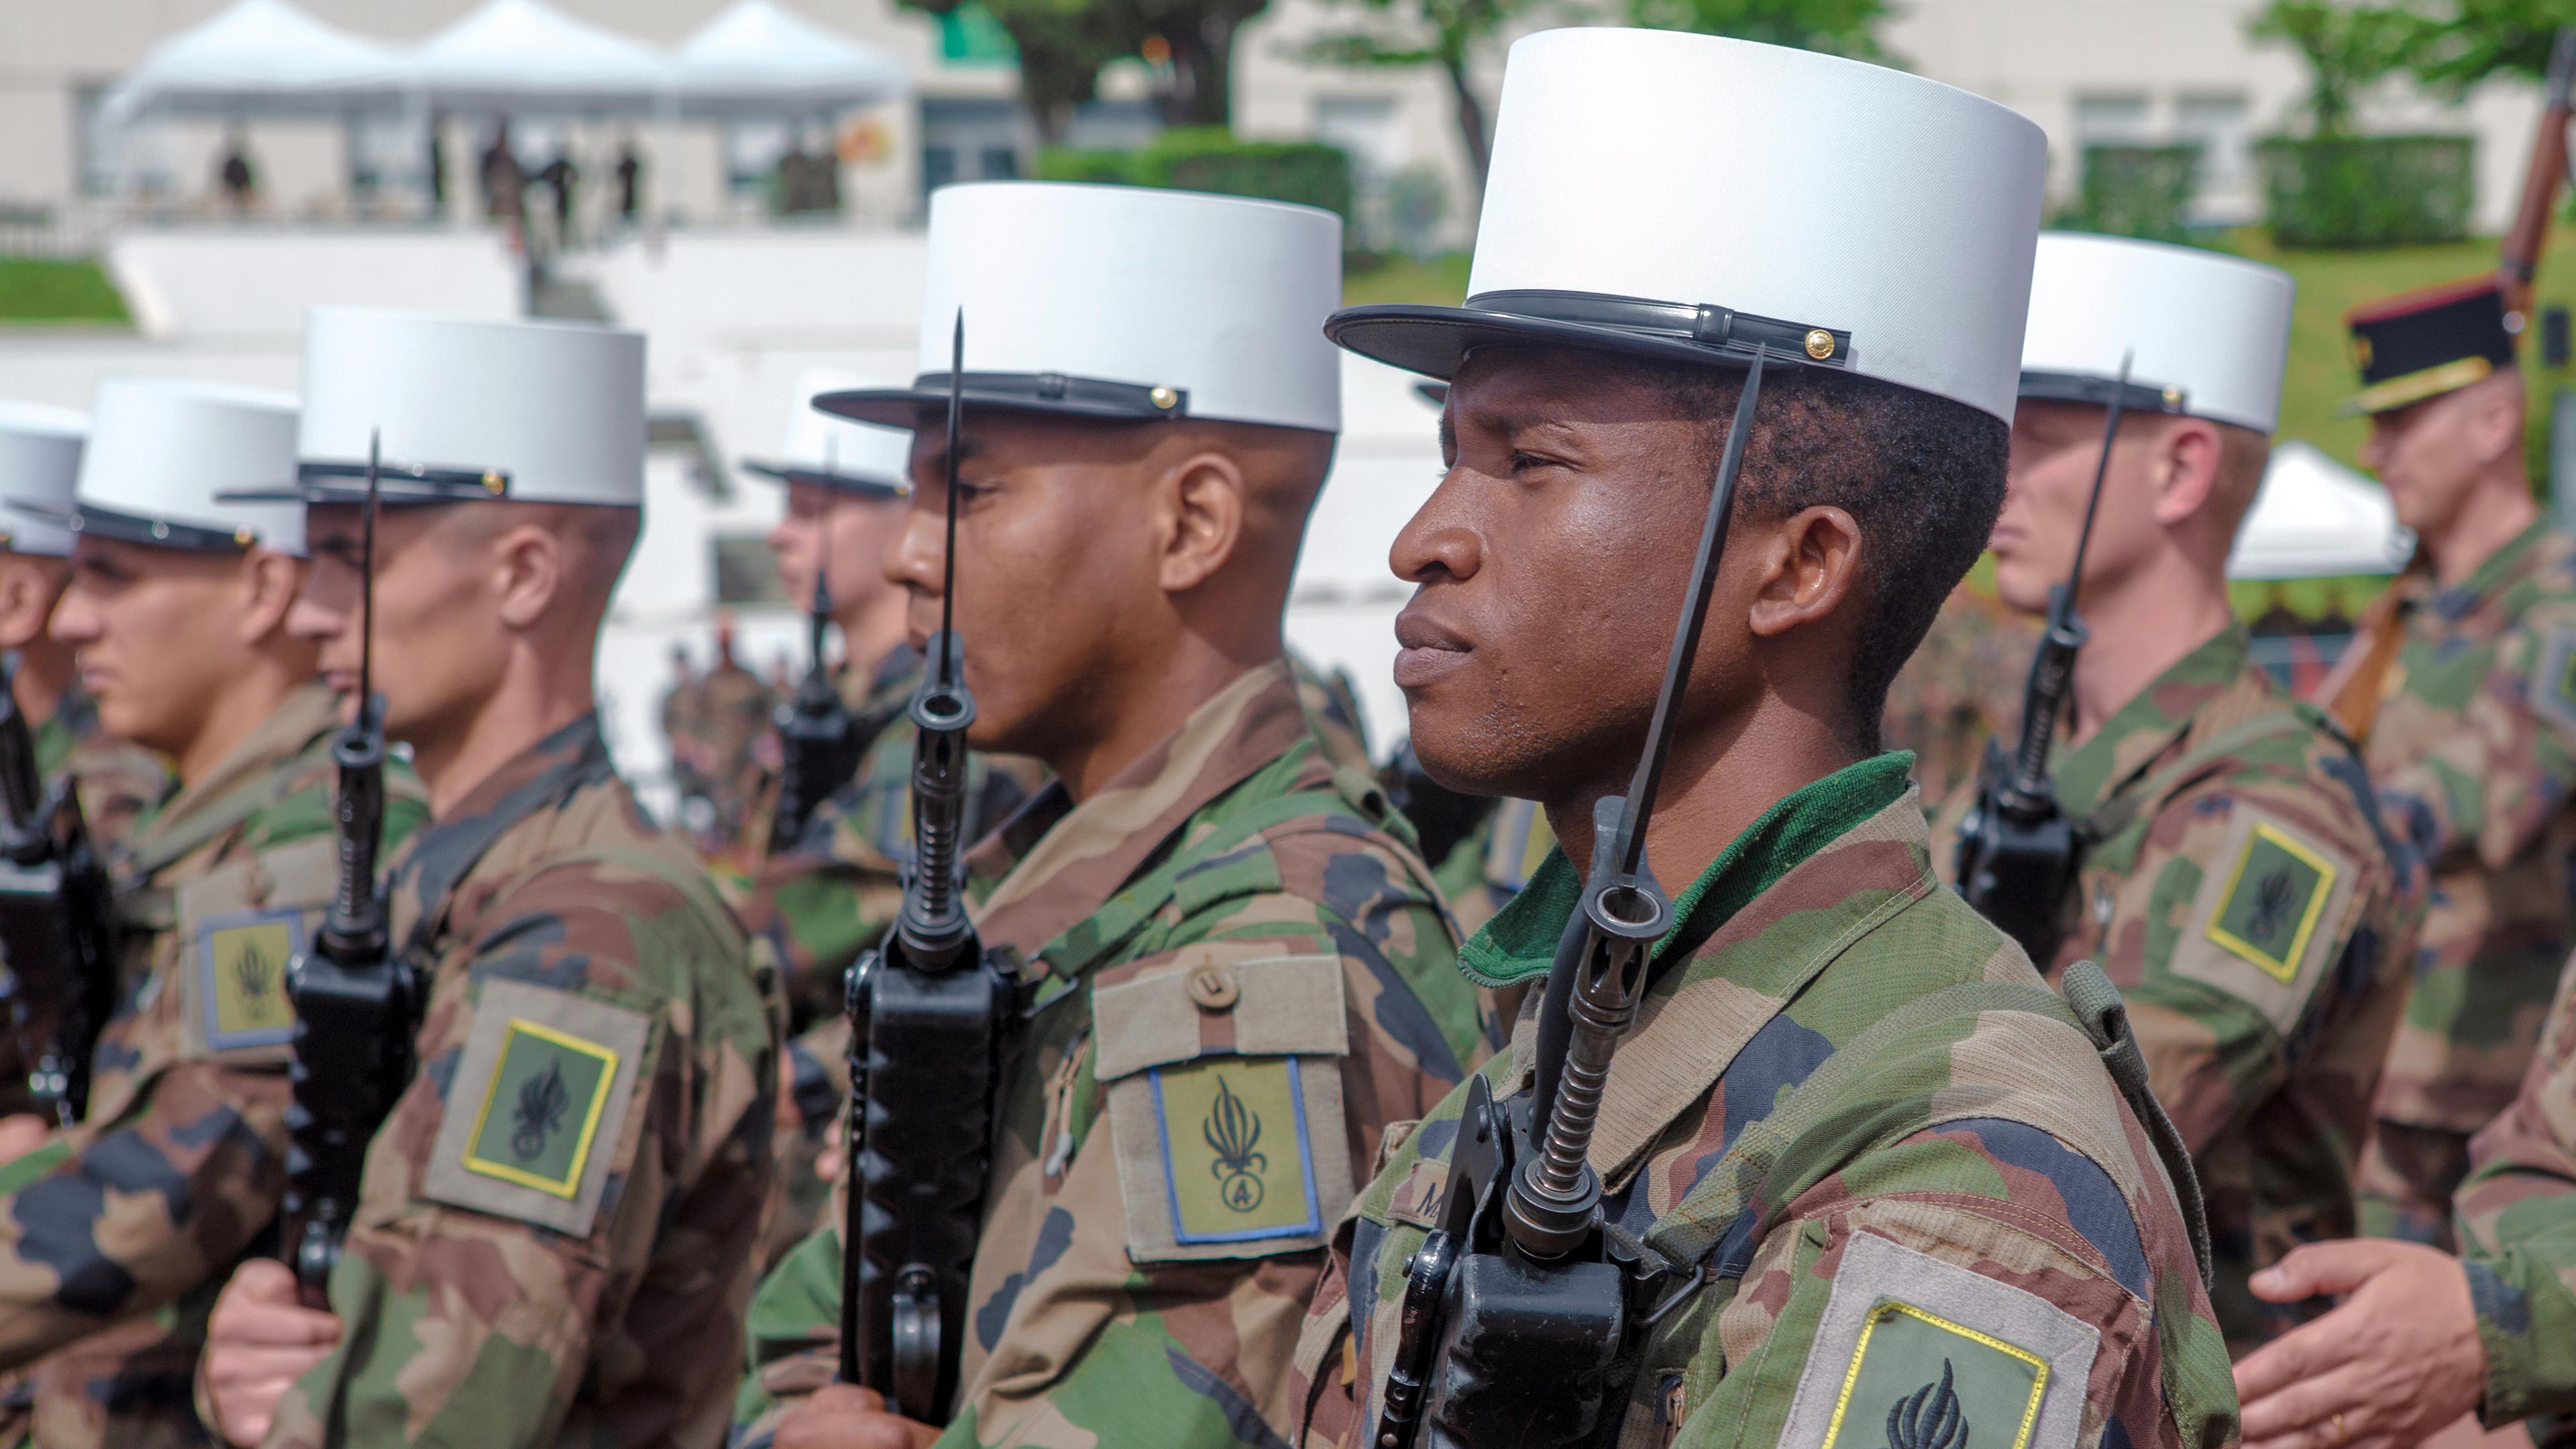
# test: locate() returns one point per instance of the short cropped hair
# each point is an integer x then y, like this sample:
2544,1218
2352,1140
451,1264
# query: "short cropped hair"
1923,476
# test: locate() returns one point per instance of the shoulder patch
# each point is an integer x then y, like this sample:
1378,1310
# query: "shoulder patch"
240,970
2553,684
2267,913
537,1105
1224,1089
1917,1353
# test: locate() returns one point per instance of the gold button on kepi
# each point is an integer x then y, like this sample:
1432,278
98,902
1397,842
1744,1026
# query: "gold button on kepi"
2173,397
493,483
244,537
1164,398
1213,988
1820,343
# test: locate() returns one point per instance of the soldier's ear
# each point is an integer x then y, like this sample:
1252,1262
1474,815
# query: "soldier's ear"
1810,564
27,592
1198,519
2187,454
270,582
528,572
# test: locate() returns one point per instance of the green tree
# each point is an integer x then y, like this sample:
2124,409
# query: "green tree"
2347,47
1836,27
1062,45
2458,43
1446,33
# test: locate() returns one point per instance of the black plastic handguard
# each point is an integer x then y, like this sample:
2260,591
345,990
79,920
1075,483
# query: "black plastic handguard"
2017,852
925,1054
356,1007
820,745
55,924
1491,1349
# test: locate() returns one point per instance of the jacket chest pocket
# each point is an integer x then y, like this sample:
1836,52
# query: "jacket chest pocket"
239,927
1224,1087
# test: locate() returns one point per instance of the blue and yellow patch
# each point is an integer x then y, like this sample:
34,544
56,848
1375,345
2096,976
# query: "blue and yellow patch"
1238,1163
241,962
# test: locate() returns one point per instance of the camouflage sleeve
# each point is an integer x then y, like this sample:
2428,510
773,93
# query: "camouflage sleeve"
116,1221
2494,781
556,1231
2517,1228
1966,1268
1189,1175
2253,928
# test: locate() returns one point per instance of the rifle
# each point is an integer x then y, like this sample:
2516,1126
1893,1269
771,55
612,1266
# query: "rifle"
354,998
54,921
2017,851
1517,1305
2352,690
820,740
927,1011
2520,262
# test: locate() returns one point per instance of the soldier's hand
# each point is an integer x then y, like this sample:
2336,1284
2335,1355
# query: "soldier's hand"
2397,1361
845,1416
258,1343
22,1133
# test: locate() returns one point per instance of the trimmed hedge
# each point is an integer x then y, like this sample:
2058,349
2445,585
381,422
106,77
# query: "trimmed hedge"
2367,191
1209,158
2140,191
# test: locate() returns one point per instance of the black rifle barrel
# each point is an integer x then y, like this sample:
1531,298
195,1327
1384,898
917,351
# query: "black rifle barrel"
2052,664
1555,1197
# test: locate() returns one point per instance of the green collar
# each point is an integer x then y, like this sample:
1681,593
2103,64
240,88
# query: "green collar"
1519,943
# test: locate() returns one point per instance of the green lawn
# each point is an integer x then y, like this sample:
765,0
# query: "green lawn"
48,291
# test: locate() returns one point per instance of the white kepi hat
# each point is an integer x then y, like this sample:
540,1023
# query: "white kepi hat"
1120,303
2207,335
161,455
830,452
1692,199
532,412
40,451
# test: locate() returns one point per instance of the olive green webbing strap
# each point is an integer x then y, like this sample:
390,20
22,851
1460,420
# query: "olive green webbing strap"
2092,1007
210,823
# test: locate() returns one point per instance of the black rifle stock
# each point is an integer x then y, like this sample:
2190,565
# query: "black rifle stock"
2017,851
355,1000
819,739
54,921
1517,1306
927,1015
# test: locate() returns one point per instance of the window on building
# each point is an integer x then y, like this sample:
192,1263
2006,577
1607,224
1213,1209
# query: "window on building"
751,152
2218,125
2111,120
384,150
746,572
970,140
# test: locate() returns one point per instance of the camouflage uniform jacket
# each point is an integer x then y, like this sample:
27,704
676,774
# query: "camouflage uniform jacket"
1230,949
118,781
2517,1230
554,1237
2474,754
1964,1187
2238,888
131,1222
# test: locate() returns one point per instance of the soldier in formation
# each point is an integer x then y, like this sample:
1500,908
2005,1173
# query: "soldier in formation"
2235,880
121,1226
1235,972
1860,1166
554,1235
2473,744
117,780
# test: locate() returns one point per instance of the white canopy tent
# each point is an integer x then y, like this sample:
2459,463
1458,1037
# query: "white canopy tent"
761,58
258,57
523,56
2315,518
